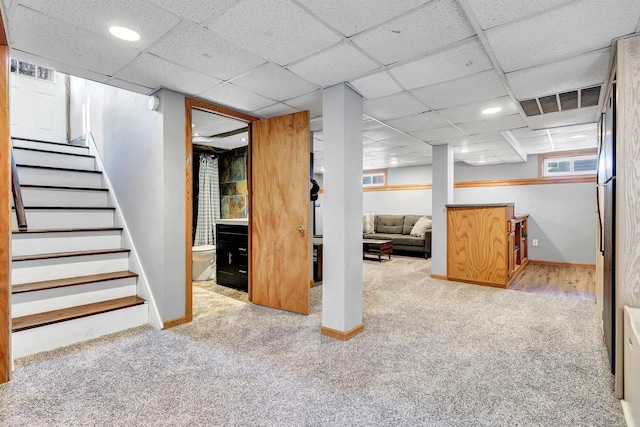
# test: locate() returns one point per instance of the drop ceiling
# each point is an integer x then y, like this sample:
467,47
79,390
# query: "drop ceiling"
426,69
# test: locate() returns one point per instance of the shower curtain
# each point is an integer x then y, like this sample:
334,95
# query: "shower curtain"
208,201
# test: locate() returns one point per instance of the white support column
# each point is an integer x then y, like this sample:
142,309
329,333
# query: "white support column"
342,269
442,196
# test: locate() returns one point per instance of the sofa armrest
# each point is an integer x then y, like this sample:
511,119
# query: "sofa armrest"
427,243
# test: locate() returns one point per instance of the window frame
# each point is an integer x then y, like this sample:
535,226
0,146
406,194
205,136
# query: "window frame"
545,158
372,173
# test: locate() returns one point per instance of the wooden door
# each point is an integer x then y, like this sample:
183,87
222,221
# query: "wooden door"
279,212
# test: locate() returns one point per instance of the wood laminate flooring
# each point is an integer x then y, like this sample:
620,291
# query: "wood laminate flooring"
210,298
572,282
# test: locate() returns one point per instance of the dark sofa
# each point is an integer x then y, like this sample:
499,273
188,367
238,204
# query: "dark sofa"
397,228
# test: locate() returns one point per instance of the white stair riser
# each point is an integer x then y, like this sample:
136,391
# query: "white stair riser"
56,160
68,148
45,243
27,303
60,268
35,176
40,219
63,197
49,337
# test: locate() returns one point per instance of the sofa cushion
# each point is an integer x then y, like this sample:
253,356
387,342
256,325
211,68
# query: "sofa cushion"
367,223
421,227
405,240
409,222
391,224
381,236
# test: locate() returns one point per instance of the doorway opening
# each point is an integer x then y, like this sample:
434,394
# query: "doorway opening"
217,208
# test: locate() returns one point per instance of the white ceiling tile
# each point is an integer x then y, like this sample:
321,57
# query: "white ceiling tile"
380,132
494,125
197,48
151,71
50,38
277,30
482,138
582,71
196,10
338,64
311,101
460,61
587,129
564,118
236,97
462,141
60,67
129,86
428,120
275,110
528,133
393,106
491,13
540,148
275,82
340,14
588,24
438,134
149,20
376,85
473,112
403,141
437,24
473,88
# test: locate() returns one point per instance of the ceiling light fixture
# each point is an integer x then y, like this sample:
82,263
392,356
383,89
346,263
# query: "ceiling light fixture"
124,33
464,150
193,125
577,136
243,139
196,134
394,161
492,110
482,161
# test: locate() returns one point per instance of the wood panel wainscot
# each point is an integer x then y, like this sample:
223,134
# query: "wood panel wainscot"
486,244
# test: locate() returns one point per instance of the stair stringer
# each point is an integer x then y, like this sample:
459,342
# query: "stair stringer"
143,289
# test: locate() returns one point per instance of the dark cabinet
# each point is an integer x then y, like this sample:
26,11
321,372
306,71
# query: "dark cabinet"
232,256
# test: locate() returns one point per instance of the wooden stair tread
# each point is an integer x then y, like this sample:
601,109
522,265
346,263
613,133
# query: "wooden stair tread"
70,281
66,144
67,254
40,150
67,230
59,187
21,165
57,316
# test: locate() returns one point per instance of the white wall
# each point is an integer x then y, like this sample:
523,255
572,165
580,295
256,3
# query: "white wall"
562,216
138,150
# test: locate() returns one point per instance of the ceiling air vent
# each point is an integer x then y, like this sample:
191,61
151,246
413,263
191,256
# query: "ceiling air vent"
549,104
581,98
590,96
569,100
530,107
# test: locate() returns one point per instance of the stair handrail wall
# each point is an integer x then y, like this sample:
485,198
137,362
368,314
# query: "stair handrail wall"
144,290
21,216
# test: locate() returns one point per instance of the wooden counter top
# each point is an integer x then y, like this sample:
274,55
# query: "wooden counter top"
480,205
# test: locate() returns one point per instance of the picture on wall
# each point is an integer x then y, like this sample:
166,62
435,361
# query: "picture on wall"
233,185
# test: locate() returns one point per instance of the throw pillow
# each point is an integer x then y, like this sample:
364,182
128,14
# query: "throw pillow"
421,227
367,223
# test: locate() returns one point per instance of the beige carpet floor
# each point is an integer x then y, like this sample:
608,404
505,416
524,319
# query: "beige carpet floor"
434,353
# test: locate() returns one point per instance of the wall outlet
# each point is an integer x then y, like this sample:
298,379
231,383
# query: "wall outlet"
534,242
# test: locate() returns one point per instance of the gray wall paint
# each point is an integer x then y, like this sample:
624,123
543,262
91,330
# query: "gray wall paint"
143,154
562,216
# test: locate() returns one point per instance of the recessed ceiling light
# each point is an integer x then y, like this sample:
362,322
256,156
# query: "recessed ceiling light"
464,150
491,110
394,161
124,33
193,125
243,139
577,136
196,134
482,161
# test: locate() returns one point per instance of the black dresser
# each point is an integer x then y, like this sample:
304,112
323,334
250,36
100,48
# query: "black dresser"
232,256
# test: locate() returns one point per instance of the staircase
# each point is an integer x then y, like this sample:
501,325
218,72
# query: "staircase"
70,275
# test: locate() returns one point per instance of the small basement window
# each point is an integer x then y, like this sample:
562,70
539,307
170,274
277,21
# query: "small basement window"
31,70
570,165
377,178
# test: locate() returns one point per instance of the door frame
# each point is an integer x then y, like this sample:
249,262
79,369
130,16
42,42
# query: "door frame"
5,207
223,111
